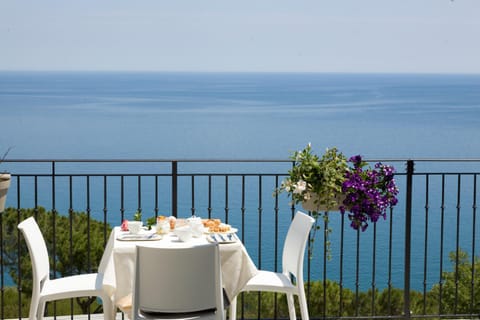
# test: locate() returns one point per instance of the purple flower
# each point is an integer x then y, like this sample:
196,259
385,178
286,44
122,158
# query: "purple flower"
368,192
356,160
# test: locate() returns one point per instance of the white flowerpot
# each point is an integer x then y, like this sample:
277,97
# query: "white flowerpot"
5,179
313,204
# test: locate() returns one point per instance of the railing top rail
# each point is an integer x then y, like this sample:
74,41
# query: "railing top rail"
237,160
146,160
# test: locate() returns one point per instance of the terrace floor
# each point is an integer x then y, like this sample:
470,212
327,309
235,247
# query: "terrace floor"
96,316
99,316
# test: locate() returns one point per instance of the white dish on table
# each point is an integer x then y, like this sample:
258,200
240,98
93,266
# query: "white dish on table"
219,237
143,235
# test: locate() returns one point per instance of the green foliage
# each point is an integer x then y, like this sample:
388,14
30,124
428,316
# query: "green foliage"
314,176
62,307
137,216
333,292
151,221
342,302
10,303
455,294
390,301
75,245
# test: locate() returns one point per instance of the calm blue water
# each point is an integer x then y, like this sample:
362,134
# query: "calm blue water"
254,116
182,115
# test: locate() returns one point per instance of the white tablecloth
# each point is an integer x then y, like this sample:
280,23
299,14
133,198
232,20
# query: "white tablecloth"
118,264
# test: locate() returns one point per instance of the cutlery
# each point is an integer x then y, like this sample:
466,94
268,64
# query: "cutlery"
221,237
213,237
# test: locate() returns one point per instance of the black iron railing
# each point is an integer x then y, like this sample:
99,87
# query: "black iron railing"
397,268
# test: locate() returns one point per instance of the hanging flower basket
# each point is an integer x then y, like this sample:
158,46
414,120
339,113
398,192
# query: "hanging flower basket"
5,179
328,183
314,203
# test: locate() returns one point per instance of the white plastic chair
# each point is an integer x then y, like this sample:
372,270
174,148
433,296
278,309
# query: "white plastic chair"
292,265
45,289
178,283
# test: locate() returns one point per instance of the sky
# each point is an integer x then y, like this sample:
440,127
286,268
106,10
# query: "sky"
403,36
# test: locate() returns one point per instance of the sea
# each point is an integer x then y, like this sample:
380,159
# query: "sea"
258,116
237,115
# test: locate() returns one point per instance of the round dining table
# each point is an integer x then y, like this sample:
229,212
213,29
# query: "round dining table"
118,261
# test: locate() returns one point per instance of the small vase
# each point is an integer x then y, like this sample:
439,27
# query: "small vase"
313,204
5,179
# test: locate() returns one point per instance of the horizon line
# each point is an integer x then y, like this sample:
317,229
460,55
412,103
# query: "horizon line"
234,72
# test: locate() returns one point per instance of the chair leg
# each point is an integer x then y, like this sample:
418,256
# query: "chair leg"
108,308
233,309
40,309
33,310
302,301
291,306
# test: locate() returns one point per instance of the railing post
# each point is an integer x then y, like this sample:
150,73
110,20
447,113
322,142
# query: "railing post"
174,188
408,238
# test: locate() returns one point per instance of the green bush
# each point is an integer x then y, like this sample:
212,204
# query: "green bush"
457,297
81,254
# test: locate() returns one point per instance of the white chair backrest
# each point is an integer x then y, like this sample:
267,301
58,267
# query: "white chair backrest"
178,280
295,243
37,249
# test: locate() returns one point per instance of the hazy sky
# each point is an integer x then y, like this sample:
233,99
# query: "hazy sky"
439,36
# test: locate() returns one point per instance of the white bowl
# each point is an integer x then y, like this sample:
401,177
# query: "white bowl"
135,226
183,233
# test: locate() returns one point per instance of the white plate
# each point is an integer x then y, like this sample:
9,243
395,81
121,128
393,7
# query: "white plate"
142,236
232,230
222,238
